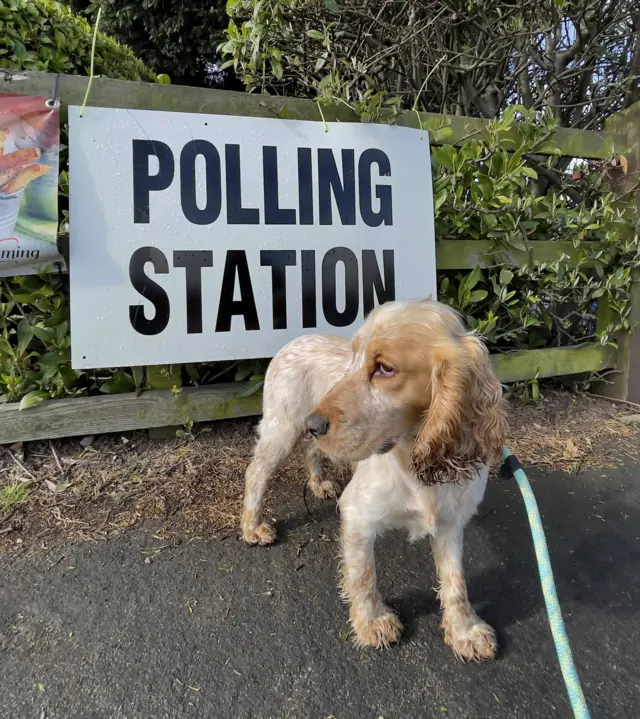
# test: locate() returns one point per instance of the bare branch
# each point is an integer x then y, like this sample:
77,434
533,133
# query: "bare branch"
581,59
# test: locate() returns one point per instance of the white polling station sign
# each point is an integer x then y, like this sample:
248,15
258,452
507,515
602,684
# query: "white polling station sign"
199,238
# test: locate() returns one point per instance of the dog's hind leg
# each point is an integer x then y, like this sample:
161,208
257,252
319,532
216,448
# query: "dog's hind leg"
276,441
319,485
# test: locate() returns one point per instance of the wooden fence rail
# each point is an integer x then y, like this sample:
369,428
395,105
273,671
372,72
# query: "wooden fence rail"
176,98
159,408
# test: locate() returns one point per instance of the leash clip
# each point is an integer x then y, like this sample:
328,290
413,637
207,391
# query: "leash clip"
509,467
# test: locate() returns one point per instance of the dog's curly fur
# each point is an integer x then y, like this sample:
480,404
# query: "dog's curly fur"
413,403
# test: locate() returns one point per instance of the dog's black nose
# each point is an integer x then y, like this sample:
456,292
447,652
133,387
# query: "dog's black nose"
317,424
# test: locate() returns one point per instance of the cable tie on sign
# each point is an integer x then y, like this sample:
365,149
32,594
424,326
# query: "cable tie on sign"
325,127
419,123
93,57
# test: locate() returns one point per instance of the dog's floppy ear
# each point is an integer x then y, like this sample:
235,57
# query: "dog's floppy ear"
465,422
439,435
487,417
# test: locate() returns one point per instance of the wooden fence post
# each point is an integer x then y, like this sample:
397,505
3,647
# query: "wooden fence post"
626,383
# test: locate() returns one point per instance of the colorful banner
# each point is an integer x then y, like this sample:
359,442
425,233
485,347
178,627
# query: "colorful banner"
29,154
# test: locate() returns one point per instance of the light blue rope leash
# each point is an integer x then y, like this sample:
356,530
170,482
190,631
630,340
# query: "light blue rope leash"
563,650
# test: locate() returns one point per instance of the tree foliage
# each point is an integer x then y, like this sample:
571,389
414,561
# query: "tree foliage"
581,58
47,36
176,37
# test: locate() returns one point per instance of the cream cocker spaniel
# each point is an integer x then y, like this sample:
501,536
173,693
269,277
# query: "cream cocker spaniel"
412,402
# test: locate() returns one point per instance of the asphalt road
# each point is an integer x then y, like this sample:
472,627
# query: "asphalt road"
211,628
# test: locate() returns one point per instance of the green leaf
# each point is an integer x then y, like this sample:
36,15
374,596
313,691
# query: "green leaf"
25,335
138,376
496,163
535,390
440,199
19,50
193,373
505,276
445,156
548,148
32,398
490,220
515,162
61,332
120,383
528,225
44,334
164,376
69,377
52,360
245,369
516,240
509,115
530,172
251,389
442,134
316,35
486,186
463,294
478,296
473,278
276,68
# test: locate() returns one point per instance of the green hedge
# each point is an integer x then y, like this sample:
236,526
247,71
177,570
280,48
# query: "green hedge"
47,36
42,35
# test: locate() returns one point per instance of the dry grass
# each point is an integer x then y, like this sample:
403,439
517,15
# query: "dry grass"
573,432
59,491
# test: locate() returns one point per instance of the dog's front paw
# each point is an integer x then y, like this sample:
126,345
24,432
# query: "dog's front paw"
323,488
382,631
262,534
471,639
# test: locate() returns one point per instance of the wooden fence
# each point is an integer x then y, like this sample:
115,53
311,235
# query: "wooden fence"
162,408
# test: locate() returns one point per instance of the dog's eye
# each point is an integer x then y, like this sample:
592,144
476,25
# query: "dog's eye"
383,370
